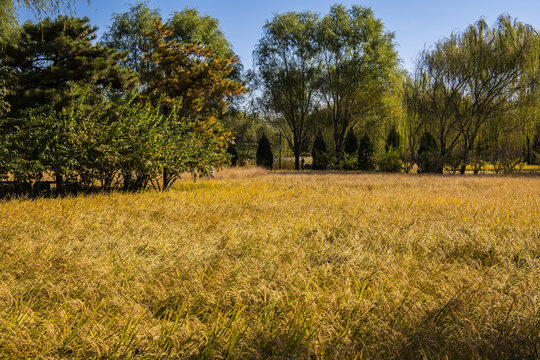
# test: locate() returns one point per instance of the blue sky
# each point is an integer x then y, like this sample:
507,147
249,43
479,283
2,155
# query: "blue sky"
416,23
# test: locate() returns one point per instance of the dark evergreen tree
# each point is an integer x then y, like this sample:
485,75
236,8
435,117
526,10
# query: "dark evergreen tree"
536,149
351,143
231,150
52,55
427,143
320,153
265,158
365,154
393,140
429,159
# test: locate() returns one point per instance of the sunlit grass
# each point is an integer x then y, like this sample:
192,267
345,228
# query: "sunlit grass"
279,265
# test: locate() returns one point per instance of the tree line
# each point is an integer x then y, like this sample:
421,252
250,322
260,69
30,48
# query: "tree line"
155,98
472,99
135,110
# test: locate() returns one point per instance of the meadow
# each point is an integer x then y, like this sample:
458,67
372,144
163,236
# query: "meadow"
279,265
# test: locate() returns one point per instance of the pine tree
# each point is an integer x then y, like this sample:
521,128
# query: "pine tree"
427,143
365,154
52,55
265,158
393,140
351,143
429,159
320,153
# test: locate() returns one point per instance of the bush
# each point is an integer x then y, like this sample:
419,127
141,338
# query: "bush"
350,162
265,158
507,158
389,161
320,153
365,154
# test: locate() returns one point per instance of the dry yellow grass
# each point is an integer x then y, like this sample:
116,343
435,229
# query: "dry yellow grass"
279,265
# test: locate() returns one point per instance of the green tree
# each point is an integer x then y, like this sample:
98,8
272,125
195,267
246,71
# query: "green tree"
129,32
265,158
320,153
428,158
393,140
365,153
52,55
476,88
357,58
8,12
190,27
285,58
195,84
351,143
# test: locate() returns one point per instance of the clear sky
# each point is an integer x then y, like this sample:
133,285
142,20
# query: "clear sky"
416,23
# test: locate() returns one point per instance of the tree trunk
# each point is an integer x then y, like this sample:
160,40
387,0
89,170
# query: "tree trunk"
165,179
59,183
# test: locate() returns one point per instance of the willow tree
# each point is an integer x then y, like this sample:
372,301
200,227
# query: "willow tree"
129,32
286,60
357,58
191,27
493,63
429,97
469,85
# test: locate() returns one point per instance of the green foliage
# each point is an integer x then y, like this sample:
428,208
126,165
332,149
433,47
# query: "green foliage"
94,139
389,161
51,56
350,161
351,143
428,159
358,59
365,154
129,33
393,140
477,88
190,27
189,76
320,155
265,158
8,12
535,148
284,58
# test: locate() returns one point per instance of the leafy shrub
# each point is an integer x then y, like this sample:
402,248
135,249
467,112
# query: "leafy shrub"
265,158
389,161
350,162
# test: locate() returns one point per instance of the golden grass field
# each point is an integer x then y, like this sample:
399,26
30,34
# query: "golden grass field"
258,265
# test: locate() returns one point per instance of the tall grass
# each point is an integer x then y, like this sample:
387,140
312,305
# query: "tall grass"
277,266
